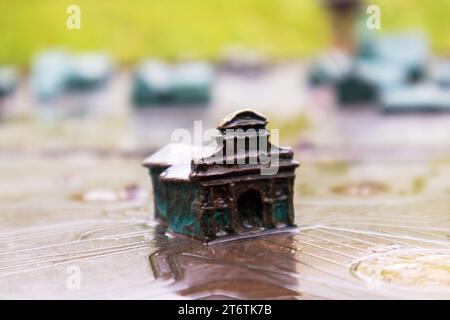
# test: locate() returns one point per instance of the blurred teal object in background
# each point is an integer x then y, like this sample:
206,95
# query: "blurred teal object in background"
408,50
382,63
382,74
330,68
89,71
50,72
151,83
367,80
55,72
354,89
158,83
8,80
421,97
192,82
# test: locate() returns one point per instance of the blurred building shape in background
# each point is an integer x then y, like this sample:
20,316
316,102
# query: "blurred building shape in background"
192,82
49,74
407,50
55,72
65,83
89,71
391,70
385,63
151,83
157,83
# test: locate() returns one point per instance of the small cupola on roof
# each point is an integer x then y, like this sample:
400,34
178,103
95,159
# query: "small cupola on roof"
243,135
243,119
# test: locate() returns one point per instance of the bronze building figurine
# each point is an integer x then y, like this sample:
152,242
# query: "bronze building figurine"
205,192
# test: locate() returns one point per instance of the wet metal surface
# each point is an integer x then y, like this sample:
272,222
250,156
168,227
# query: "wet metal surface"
347,246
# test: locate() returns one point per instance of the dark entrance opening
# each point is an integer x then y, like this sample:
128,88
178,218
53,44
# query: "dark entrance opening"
249,207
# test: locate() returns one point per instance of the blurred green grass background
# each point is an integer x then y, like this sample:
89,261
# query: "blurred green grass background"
133,29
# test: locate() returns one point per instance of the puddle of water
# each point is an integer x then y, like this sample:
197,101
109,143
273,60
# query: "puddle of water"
422,269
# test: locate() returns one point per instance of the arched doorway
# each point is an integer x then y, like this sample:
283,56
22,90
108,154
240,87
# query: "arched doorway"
249,206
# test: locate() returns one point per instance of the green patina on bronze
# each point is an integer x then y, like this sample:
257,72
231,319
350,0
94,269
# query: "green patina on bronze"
205,193
159,192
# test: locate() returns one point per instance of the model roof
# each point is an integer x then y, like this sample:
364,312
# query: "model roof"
242,118
176,154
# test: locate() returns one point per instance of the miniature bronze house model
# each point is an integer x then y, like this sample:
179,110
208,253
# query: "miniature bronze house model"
205,192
